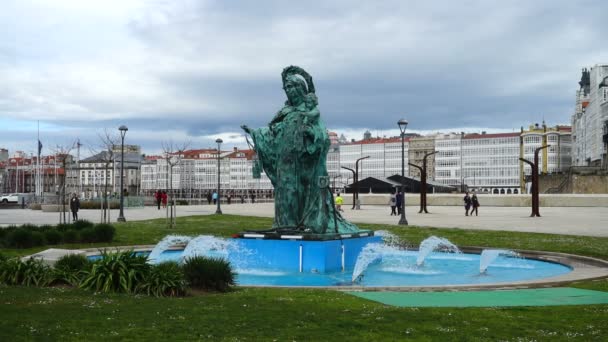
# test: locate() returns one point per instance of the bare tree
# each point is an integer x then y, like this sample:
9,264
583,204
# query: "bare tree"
173,155
62,154
107,156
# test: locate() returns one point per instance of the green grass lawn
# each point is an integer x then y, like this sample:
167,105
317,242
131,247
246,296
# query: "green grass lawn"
249,314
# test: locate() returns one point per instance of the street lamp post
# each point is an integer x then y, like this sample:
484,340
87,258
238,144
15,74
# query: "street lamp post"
123,131
402,126
219,142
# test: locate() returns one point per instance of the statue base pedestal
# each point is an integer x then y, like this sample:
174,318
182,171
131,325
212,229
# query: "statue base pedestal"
305,252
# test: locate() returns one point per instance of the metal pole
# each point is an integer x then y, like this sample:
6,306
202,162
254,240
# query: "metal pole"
219,210
121,215
403,220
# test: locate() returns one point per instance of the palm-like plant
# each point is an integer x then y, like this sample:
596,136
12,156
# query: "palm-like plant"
116,272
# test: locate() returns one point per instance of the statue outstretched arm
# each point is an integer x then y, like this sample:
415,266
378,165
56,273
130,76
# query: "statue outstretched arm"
246,129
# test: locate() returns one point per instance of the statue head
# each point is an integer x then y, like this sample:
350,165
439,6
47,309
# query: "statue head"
295,89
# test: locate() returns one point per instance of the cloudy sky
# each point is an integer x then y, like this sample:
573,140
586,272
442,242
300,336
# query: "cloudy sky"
180,70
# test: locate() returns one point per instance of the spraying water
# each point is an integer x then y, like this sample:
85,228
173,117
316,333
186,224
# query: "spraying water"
165,243
207,245
388,238
433,243
489,255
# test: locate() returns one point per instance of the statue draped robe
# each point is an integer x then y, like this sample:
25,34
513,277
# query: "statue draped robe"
292,151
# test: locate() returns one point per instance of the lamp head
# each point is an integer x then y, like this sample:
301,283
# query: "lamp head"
402,125
123,130
219,141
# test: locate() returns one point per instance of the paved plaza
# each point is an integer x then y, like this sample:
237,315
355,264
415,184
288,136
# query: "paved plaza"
587,221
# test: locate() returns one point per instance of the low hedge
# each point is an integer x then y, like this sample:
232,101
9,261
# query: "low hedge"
27,235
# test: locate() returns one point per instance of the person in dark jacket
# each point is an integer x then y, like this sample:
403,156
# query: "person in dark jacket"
399,202
74,206
467,203
475,204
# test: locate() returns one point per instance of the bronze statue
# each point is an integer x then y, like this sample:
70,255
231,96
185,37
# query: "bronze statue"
292,151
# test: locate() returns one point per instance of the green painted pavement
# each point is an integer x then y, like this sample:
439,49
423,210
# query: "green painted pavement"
527,297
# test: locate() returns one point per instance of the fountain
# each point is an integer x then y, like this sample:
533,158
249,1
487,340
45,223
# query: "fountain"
164,244
434,243
490,255
310,243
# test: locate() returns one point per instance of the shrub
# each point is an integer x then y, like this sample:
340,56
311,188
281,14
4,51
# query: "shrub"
70,269
53,237
81,224
181,202
35,206
71,236
163,280
87,235
38,238
32,272
104,232
116,272
46,227
209,273
62,227
20,238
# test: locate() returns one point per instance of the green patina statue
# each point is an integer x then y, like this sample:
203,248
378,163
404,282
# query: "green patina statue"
292,151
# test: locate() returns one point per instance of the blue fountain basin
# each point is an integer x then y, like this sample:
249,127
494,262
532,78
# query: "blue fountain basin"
396,269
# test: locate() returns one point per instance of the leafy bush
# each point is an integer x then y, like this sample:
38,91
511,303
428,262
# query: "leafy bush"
81,224
20,238
70,269
181,202
53,237
163,280
104,232
209,273
116,272
71,236
87,235
35,206
38,239
62,227
32,272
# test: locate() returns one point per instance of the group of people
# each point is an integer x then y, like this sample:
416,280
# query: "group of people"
471,202
396,203
161,198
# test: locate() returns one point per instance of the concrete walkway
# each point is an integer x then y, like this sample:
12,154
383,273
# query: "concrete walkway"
586,221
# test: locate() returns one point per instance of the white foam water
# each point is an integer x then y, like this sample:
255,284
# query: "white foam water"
408,270
164,244
207,245
490,255
258,272
433,243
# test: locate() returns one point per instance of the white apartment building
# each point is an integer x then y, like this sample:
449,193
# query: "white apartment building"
195,173
590,119
101,172
490,162
384,158
448,159
557,157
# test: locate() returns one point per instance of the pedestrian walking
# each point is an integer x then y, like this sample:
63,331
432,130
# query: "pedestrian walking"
209,198
214,197
158,196
164,199
475,204
392,202
74,206
399,202
229,198
339,201
467,203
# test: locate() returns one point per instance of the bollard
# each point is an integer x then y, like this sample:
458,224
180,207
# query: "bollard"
22,202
